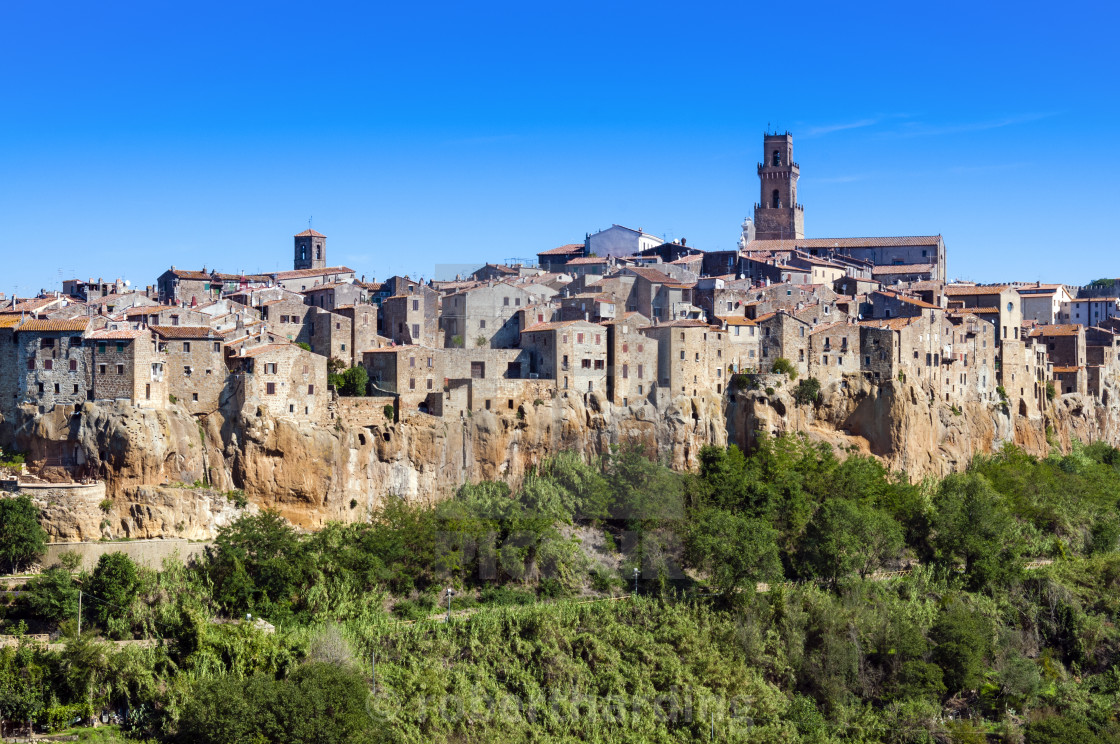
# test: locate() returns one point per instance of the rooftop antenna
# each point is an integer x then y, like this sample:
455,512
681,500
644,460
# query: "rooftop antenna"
309,222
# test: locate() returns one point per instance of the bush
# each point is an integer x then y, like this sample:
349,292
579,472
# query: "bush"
1051,392
114,584
22,539
808,391
783,366
352,383
389,411
303,345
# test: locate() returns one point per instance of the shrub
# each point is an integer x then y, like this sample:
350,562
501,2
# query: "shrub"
1050,390
389,411
457,342
237,497
22,539
783,366
769,391
115,582
480,341
1001,393
808,391
172,399
106,505
303,345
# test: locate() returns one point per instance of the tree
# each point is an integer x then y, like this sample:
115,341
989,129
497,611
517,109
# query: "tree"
257,563
353,382
963,641
52,595
846,537
736,551
970,524
783,366
114,583
807,391
22,538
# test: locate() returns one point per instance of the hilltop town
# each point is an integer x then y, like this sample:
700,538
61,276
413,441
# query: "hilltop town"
622,320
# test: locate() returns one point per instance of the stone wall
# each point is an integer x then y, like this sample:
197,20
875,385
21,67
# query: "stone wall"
147,553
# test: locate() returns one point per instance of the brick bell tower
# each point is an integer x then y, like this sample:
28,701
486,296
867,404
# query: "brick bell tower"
311,250
778,216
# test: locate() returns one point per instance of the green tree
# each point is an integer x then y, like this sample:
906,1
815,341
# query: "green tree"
53,596
114,585
257,564
963,641
971,525
783,366
737,551
22,538
353,382
846,537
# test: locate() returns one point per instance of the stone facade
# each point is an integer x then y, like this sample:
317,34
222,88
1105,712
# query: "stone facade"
310,250
287,317
194,366
54,362
283,378
487,313
573,353
631,359
128,366
777,215
331,335
413,317
411,372
690,357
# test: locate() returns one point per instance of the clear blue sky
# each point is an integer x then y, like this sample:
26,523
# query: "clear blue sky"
139,135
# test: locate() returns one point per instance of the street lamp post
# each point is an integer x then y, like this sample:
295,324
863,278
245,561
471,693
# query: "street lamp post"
450,593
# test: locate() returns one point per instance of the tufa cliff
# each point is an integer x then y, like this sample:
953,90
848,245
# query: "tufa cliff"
170,474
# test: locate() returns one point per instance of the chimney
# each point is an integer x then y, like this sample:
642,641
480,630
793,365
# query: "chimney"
684,241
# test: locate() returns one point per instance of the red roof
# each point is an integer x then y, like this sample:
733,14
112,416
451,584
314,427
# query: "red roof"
310,234
49,326
564,250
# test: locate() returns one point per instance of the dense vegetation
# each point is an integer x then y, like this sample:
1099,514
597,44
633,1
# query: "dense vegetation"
983,604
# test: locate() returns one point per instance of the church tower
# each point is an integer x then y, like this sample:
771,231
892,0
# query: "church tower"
778,216
311,250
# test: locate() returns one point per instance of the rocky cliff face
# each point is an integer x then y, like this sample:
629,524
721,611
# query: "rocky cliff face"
315,474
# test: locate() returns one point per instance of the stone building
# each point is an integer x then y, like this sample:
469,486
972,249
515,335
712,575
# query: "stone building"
194,366
1102,359
54,362
127,366
1065,347
287,315
363,328
283,378
1024,369
184,287
414,373
986,302
572,352
310,250
631,359
141,316
969,354
555,259
337,294
10,374
617,240
486,315
782,335
1043,302
777,215
920,257
412,317
742,343
331,335
834,350
300,280
690,357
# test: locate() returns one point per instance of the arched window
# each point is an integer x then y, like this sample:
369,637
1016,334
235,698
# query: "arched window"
775,199
303,253
318,252
777,160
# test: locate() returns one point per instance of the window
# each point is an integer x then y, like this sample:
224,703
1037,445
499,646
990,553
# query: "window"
174,320
120,369
625,371
194,397
625,348
586,364
270,388
76,390
270,368
429,362
416,304
775,199
100,347
412,361
310,389
415,331
777,158
73,365
412,383
579,338
56,390
481,324
598,339
682,355
598,364
217,347
517,302
505,301
48,364
101,369
429,383
641,347
640,375
186,347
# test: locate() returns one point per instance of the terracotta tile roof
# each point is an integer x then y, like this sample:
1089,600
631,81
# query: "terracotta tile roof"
70,325
265,349
564,250
1066,370
690,259
30,306
146,309
182,331
9,321
973,311
894,324
736,321
1067,329
309,233
301,273
200,276
398,347
827,327
554,325
587,261
118,335
903,269
651,275
682,323
886,242
908,300
958,291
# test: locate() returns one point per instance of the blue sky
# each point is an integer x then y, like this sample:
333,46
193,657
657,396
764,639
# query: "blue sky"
138,135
